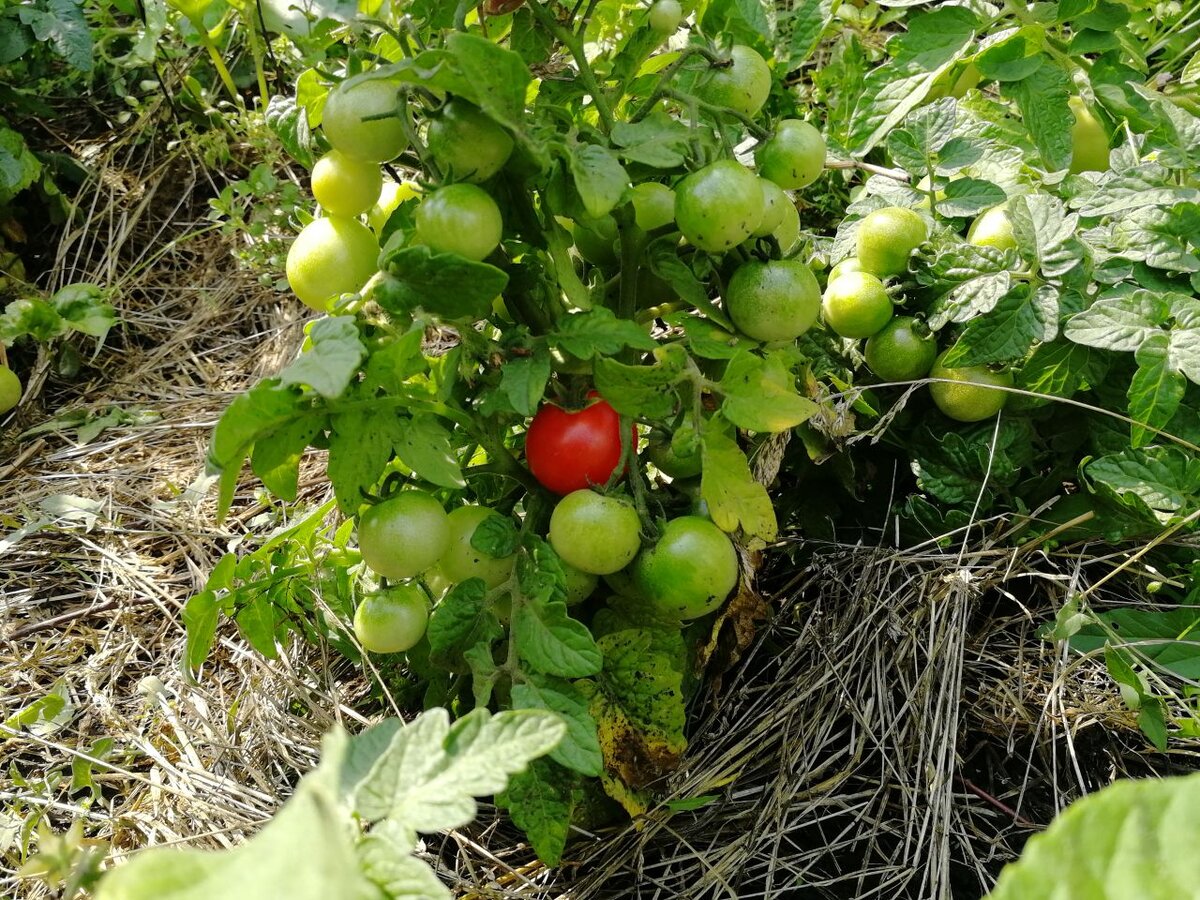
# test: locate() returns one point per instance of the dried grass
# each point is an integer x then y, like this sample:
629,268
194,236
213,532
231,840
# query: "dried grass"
896,731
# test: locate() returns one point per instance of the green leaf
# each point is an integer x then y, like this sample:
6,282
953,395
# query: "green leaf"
289,121
529,39
1046,233
496,536
1069,9
444,284
663,258
360,446
1170,639
599,333
492,77
1104,16
83,308
599,177
30,317
429,772
1132,839
251,416
658,141
19,168
1152,720
461,620
1159,237
761,394
1062,369
580,748
640,390
401,875
305,853
800,28
559,243
1021,319
548,640
1089,41
1121,322
63,25
541,801
1156,390
256,622
523,380
970,299
969,197
389,367
425,446
734,498
275,458
329,365
963,467
933,43
1163,480
1042,99
200,620
1011,59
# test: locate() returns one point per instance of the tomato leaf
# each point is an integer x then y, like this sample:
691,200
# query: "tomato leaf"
760,394
1120,321
1062,369
970,196
580,749
200,620
496,536
462,620
30,317
599,333
1012,58
647,391
1113,843
82,307
251,416
397,873
547,639
800,28
734,498
657,140
1166,637
494,78
333,359
541,801
523,380
1163,482
599,177
360,445
1046,233
445,284
1006,333
424,445
1156,390
256,621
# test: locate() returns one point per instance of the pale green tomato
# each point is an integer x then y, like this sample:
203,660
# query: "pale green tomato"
653,205
595,533
345,186
993,228
389,201
775,204
393,619
462,561
462,219
331,257
793,157
10,389
404,535
349,119
580,585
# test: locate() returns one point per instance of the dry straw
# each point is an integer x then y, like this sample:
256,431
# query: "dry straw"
897,730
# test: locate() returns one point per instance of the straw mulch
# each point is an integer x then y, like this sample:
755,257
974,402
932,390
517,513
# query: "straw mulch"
896,731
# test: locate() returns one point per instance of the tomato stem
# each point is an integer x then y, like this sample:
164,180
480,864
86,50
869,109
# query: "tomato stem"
574,45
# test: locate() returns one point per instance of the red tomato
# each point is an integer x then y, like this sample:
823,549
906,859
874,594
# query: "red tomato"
571,450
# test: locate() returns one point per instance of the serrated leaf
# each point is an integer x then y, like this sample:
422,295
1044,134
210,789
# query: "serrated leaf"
639,390
1156,390
289,122
1046,233
1042,99
761,394
1062,369
580,748
800,28
385,862
734,498
425,446
599,177
1162,480
934,42
63,25
663,258
460,621
541,801
430,772
445,284
548,640
658,141
1120,322
970,299
523,380
19,168
360,446
1006,333
599,333
969,196
251,416
1012,58
331,361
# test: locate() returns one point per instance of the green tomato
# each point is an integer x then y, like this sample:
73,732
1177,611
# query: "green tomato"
903,350
690,571
787,232
393,619
793,157
467,144
775,204
404,535
973,394
1089,140
10,389
349,122
462,561
594,533
845,267
390,198
345,186
580,584
886,239
653,205
665,16
719,206
462,219
680,459
742,86
331,257
773,301
856,305
993,228
597,241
